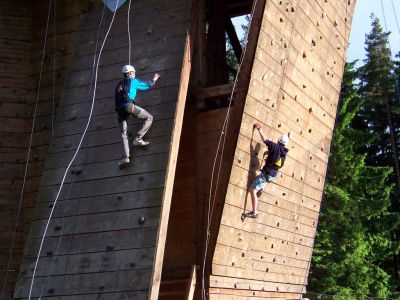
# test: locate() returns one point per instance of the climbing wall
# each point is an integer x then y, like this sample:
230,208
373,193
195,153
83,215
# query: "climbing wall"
105,240
14,19
294,90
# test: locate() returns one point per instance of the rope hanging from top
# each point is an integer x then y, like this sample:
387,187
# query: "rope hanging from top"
75,154
221,143
129,33
28,154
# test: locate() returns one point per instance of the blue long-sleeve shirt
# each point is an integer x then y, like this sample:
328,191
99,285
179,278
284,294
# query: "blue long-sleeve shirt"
126,90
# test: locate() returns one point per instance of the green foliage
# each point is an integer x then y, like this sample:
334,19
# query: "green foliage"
353,239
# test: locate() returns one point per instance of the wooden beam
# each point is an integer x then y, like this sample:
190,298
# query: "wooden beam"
233,38
191,283
212,91
173,155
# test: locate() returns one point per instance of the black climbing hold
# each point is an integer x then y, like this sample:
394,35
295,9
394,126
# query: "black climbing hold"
49,253
57,228
109,248
141,220
76,172
51,205
50,291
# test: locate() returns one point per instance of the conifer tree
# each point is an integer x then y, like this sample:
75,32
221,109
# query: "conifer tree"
378,92
353,239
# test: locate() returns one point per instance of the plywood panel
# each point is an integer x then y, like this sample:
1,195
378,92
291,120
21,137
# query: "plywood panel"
293,89
106,223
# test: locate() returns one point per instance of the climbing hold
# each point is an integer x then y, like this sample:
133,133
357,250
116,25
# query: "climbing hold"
276,202
119,197
51,205
235,285
304,54
141,220
283,61
318,23
309,130
279,125
322,148
335,23
313,69
283,194
285,45
72,117
109,248
295,97
323,15
76,172
57,228
233,263
281,19
304,86
293,175
50,291
297,120
313,42
272,42
293,9
310,110
267,269
277,224
49,253
149,30
243,254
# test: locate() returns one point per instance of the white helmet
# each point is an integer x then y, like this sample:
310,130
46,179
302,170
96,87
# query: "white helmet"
284,139
127,69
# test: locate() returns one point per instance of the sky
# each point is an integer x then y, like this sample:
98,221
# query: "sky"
362,25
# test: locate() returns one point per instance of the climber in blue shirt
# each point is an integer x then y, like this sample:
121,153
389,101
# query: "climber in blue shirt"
125,94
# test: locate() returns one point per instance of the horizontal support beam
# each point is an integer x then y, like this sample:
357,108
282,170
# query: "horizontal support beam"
212,91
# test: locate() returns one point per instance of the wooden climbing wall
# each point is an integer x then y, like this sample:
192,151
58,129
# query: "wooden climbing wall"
24,27
294,89
105,240
14,107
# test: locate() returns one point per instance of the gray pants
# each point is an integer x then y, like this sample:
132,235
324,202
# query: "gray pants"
123,116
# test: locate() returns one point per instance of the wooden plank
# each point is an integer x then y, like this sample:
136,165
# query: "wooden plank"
173,154
83,283
107,261
191,284
247,284
136,238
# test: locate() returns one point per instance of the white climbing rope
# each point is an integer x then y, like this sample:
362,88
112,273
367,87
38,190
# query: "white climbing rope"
221,140
75,154
129,33
70,186
28,154
54,68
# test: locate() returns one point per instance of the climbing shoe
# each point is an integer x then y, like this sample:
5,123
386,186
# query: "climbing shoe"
123,162
140,142
251,214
